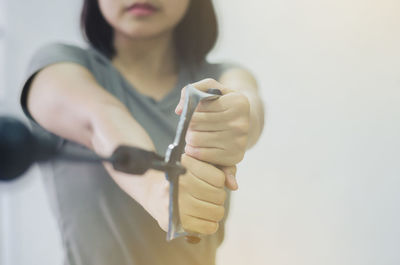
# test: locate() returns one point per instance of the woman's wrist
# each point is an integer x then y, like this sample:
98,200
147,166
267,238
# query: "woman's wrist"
113,125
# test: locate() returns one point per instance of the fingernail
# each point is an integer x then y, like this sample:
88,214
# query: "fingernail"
178,109
233,181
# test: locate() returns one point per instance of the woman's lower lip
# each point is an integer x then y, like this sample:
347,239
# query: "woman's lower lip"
142,11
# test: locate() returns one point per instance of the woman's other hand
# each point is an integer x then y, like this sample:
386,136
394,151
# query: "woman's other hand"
201,196
219,129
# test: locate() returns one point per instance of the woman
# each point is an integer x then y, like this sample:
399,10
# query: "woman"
125,89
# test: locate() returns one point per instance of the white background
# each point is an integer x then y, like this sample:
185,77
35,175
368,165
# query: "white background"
322,186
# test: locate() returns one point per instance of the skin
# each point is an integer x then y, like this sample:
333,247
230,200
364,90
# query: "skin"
218,137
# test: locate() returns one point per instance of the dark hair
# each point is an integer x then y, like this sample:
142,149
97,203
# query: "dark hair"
195,35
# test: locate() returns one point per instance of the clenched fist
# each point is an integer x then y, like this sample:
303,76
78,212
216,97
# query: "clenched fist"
219,129
201,197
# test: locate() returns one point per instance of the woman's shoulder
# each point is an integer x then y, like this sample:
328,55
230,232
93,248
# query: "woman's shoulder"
60,49
57,52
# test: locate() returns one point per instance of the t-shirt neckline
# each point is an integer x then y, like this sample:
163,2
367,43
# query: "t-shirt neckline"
171,97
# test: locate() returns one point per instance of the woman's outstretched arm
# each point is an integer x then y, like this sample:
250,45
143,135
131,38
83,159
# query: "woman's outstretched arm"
66,100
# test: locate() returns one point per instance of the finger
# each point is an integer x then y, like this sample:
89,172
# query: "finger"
202,85
208,83
198,225
202,190
230,174
216,105
204,171
179,107
207,139
204,210
210,121
214,156
234,101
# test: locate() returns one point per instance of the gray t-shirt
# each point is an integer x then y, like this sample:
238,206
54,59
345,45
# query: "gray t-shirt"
99,223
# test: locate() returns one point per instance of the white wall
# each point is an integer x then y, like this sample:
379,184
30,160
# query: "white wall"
28,230
322,186
2,48
3,204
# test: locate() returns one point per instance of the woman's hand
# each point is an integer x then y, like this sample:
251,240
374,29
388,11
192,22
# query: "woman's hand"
201,196
219,130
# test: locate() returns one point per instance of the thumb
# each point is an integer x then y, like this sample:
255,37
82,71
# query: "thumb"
202,85
179,107
230,177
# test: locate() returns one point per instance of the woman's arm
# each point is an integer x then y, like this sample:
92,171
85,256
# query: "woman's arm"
65,99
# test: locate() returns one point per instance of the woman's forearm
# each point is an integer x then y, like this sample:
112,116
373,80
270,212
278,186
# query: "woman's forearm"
66,100
112,125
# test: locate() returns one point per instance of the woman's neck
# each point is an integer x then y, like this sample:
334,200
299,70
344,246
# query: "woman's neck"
150,58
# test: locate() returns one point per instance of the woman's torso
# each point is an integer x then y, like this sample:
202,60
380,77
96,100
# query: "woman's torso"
99,223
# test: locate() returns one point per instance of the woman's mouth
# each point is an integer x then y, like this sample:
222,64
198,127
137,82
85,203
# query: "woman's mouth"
142,9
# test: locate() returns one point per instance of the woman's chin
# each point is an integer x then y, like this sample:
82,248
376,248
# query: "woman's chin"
145,34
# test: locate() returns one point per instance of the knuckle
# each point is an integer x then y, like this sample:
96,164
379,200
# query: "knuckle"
239,126
223,196
238,157
220,213
244,126
220,179
197,139
185,160
243,102
225,160
196,207
234,158
210,228
191,138
187,222
209,80
236,144
183,184
237,147
183,203
192,151
198,153
196,118
219,197
241,143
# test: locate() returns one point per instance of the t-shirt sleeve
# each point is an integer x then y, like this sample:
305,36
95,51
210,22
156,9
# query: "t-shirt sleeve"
46,56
